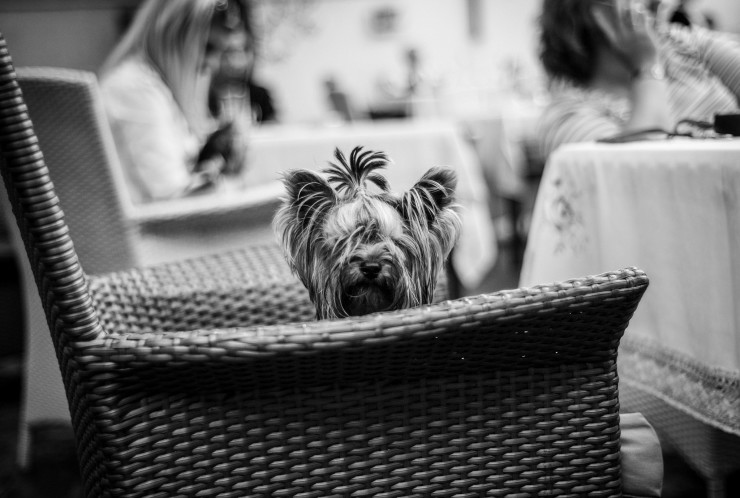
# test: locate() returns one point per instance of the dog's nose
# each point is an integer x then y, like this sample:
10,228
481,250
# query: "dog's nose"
370,270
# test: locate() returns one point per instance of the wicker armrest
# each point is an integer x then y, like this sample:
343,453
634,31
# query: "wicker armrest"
243,288
164,316
233,207
507,392
253,286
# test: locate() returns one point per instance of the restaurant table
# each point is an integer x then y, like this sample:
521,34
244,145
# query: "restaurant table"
413,146
672,208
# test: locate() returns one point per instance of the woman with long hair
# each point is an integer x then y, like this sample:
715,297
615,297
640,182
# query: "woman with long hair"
155,86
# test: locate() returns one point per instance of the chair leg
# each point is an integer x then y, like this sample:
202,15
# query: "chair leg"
716,487
454,286
514,208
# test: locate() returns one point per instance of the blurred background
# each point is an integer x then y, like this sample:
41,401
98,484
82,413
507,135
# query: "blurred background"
472,52
469,49
324,63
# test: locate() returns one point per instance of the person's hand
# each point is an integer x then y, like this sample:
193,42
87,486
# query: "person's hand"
629,29
205,177
225,146
662,11
637,37
218,143
638,47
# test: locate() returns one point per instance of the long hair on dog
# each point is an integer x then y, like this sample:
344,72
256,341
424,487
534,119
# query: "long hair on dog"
359,248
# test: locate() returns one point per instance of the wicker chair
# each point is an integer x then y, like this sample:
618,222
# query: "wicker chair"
110,233
67,119
207,378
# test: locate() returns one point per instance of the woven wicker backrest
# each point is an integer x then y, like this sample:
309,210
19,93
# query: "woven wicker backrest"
70,123
61,282
71,126
60,278
208,377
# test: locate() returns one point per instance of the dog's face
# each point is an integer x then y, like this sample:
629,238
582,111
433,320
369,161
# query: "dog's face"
358,252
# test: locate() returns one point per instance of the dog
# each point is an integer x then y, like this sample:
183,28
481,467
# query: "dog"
360,249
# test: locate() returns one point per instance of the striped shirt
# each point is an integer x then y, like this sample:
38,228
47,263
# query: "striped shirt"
702,70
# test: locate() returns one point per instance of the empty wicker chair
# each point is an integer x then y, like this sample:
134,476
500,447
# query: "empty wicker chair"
206,377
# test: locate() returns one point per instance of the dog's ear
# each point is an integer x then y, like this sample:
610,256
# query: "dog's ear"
309,194
440,183
434,192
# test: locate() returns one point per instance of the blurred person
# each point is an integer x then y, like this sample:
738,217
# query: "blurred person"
687,14
234,81
155,86
618,66
413,81
338,100
420,88
415,94
263,105
415,77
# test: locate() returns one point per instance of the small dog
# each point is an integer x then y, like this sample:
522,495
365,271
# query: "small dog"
358,251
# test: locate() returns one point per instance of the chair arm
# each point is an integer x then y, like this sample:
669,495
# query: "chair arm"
225,207
182,312
253,286
490,388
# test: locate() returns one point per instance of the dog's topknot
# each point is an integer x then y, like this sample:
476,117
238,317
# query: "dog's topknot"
351,176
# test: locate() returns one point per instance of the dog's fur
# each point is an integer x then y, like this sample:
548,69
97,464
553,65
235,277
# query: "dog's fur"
358,251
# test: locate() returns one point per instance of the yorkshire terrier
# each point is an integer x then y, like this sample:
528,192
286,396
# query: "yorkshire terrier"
357,251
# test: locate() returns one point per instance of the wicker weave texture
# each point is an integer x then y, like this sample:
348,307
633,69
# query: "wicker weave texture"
252,286
494,395
74,135
53,260
509,394
233,289
68,119
460,436
50,250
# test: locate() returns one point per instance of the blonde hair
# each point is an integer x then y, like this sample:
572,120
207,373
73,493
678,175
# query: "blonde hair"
171,35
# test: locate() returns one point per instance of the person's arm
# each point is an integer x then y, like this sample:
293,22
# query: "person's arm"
574,119
637,44
721,54
229,141
153,139
648,98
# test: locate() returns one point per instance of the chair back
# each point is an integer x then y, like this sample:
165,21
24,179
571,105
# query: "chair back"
60,280
73,132
59,277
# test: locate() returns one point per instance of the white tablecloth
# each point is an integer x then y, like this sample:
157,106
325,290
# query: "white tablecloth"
671,208
413,146
500,139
